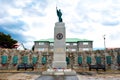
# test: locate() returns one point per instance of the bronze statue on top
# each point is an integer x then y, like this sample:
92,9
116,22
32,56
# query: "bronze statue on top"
59,14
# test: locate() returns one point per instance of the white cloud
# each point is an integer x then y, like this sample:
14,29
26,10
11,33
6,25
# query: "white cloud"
89,19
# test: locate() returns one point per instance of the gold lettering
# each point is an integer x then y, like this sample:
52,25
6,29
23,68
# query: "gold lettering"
59,50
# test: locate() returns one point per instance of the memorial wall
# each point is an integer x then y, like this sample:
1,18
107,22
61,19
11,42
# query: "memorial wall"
10,58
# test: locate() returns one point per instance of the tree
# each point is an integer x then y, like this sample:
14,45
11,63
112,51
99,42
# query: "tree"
33,47
6,41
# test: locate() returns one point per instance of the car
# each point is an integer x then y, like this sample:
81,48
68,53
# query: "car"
25,66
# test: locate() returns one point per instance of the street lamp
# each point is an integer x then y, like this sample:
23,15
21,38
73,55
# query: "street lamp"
104,42
104,50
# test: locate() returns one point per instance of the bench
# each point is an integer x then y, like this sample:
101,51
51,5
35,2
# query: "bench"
97,67
25,66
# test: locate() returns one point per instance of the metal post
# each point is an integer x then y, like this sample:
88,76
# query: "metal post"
104,43
104,51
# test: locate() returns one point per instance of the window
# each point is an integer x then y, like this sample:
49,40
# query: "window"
73,50
85,49
70,49
67,43
85,43
67,49
41,43
74,43
51,44
41,49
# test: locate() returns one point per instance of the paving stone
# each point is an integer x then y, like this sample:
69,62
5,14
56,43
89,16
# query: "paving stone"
36,76
58,78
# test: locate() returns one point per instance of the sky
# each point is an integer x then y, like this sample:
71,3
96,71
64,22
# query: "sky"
30,20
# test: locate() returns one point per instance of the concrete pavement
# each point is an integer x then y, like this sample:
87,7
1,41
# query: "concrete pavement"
37,76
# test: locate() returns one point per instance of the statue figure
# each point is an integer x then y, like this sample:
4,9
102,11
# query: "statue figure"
59,14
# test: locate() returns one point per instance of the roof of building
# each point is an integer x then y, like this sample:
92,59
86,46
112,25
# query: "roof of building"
67,40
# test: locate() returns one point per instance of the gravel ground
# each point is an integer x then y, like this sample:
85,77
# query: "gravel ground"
37,76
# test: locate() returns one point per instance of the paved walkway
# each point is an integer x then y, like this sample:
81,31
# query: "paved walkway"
37,76
102,77
57,78
18,76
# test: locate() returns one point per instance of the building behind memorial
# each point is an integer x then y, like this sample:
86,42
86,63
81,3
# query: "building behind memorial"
72,45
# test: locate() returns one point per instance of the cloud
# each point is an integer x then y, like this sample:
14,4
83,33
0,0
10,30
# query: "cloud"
15,29
115,36
108,23
12,25
30,20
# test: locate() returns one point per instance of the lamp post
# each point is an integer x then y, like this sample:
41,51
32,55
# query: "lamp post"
104,42
104,51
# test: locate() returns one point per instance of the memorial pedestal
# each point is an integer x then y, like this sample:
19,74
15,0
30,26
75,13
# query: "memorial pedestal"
59,58
64,72
59,65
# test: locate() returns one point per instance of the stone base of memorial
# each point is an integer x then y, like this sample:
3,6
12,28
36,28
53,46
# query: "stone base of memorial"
64,72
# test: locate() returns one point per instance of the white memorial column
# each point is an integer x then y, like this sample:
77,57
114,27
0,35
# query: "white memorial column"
59,58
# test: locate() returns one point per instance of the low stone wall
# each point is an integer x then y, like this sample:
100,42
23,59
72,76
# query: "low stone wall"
76,59
8,60
109,58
